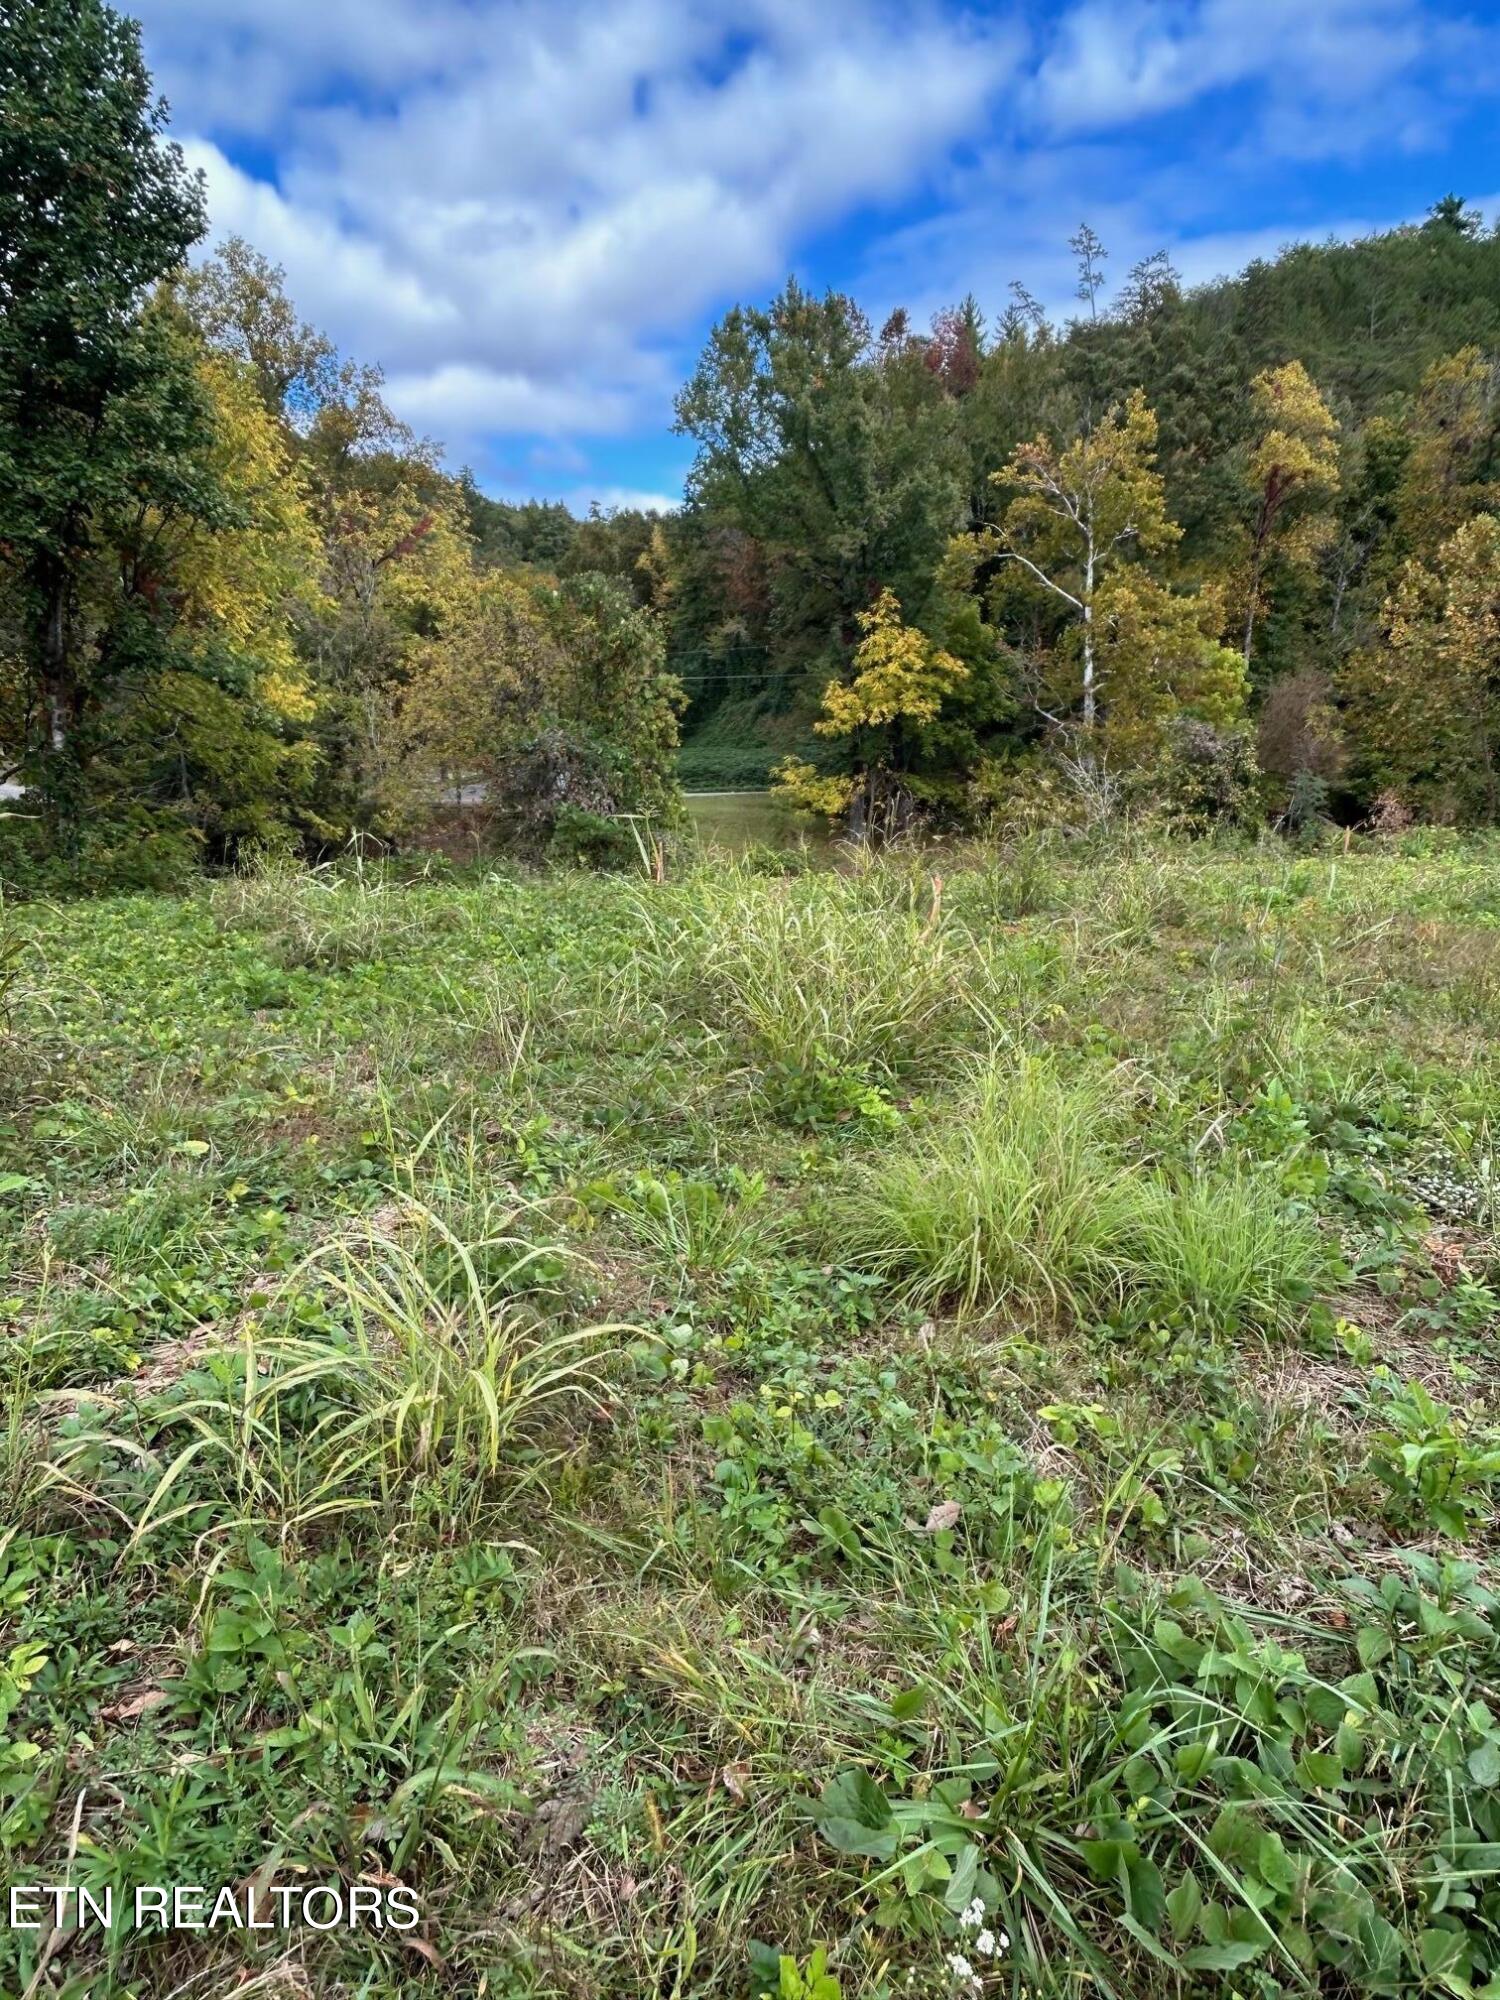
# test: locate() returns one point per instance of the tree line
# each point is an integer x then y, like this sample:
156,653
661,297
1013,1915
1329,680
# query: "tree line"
1225,553
242,605
1217,552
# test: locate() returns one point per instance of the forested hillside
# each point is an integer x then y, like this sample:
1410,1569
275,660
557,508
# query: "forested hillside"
1215,556
1316,439
243,607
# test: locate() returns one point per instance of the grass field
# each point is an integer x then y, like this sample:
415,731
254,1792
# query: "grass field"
942,1419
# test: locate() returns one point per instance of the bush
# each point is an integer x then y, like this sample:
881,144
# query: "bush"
1209,778
724,767
589,838
127,853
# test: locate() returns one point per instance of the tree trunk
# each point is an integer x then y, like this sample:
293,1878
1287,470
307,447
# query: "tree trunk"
1265,521
1089,701
57,755
1250,608
55,690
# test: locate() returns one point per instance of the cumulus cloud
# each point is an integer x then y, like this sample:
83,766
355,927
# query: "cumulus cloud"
1119,60
1189,125
527,211
518,209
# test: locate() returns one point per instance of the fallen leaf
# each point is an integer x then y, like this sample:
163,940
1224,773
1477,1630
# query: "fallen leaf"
428,1951
137,1706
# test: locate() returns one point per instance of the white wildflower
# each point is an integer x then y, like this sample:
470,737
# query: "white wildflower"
984,1944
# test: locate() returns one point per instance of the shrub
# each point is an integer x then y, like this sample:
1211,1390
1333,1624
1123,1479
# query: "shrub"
592,839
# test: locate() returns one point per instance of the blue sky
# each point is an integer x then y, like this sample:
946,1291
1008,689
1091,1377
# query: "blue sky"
530,211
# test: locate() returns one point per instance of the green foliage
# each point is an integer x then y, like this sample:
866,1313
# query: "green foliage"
837,454
1294,526
778,1976
1428,700
98,407
486,1405
1204,1808
1437,1475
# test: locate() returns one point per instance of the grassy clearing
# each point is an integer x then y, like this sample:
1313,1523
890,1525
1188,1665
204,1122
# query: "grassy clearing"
762,1415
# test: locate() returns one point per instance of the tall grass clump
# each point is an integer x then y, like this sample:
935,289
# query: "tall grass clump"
1227,1248
1018,1198
863,973
453,1377
325,918
1028,1195
689,1226
427,1383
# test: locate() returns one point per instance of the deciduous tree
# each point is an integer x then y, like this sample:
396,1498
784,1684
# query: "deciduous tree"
1293,470
900,681
1079,510
1426,703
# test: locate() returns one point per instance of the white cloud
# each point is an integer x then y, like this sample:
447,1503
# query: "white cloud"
519,209
523,209
584,497
1339,80
1119,60
460,403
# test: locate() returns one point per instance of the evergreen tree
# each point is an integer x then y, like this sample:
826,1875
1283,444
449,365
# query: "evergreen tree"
101,413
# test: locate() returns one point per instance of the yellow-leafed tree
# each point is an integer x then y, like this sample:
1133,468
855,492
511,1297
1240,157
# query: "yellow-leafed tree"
899,684
1159,662
1426,703
237,581
217,732
1292,472
1079,510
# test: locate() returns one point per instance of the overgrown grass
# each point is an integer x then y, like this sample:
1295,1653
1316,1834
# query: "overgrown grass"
1026,1198
824,1415
1020,1199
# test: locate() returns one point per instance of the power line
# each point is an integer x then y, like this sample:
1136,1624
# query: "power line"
709,675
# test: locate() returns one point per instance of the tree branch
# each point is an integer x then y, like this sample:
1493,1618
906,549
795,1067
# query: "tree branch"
1014,555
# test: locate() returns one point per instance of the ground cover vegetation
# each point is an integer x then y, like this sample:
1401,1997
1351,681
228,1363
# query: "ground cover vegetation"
764,1431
